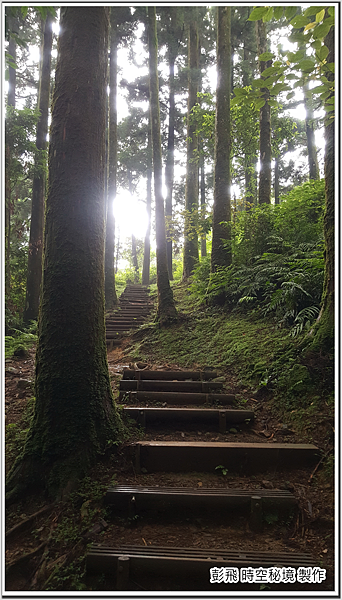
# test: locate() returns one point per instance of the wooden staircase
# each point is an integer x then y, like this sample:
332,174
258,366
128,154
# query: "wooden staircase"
125,563
132,311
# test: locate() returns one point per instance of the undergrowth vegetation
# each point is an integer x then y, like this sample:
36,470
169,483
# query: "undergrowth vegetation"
278,262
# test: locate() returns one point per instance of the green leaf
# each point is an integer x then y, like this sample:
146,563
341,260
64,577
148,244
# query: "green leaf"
331,11
321,31
316,45
273,103
295,56
268,16
266,56
313,10
24,10
259,104
299,21
279,87
258,13
322,53
278,12
240,92
290,11
306,65
269,71
290,95
329,108
310,26
258,83
320,15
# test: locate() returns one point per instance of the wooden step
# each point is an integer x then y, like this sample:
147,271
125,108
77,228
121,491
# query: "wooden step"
137,498
168,375
135,562
147,385
244,458
218,418
177,397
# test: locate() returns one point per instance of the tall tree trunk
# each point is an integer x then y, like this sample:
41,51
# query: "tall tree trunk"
203,204
110,292
147,243
12,50
324,329
310,134
191,188
221,255
134,241
276,180
74,415
169,165
35,253
265,176
166,306
250,160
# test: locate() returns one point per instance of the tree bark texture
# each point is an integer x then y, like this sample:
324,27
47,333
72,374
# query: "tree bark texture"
35,253
166,307
265,176
221,255
74,414
147,242
110,292
169,165
324,330
191,256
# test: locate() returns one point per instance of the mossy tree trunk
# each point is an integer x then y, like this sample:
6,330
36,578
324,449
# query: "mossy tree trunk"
166,306
221,255
147,242
74,415
110,291
35,253
323,339
191,255
265,175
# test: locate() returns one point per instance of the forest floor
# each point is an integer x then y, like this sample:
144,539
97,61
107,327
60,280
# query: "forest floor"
46,552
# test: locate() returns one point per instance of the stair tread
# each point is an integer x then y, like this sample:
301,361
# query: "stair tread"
122,489
201,444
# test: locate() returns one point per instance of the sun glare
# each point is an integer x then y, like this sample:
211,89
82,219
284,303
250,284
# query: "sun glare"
130,215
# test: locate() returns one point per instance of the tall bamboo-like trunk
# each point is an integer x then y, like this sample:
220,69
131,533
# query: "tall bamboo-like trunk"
191,187
12,51
310,134
74,416
35,254
134,241
324,330
166,306
110,291
221,255
147,244
276,180
265,176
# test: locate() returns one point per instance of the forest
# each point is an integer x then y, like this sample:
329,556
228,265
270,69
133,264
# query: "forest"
184,154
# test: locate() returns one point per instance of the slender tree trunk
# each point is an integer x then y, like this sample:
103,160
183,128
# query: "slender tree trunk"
191,188
221,255
169,165
324,330
276,180
203,205
110,292
166,306
74,416
35,253
250,160
265,176
12,50
310,134
134,241
147,243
